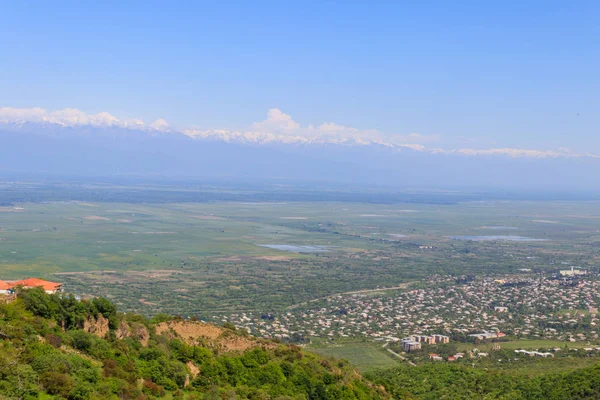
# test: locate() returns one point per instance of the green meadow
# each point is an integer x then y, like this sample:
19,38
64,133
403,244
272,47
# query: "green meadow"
364,355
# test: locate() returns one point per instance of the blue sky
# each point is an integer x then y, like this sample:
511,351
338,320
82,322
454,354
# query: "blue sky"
518,74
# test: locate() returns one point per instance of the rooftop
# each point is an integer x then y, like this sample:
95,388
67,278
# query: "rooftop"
36,282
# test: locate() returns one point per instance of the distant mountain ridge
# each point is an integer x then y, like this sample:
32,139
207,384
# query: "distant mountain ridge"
51,148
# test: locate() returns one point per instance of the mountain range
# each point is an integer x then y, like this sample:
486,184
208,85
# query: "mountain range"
104,150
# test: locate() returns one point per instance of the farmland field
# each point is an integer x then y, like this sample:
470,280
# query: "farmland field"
209,258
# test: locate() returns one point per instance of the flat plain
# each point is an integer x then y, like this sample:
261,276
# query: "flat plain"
208,258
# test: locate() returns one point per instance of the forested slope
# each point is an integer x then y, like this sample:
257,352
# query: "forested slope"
57,347
443,381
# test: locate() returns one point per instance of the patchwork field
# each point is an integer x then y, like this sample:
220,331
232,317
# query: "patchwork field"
208,258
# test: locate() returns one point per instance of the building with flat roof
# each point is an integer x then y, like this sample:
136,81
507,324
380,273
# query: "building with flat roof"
409,345
487,335
441,339
572,272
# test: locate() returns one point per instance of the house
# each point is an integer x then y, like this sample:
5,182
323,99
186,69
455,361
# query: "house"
435,357
5,287
30,283
451,358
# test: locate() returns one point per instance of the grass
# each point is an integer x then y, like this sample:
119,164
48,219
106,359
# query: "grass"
365,356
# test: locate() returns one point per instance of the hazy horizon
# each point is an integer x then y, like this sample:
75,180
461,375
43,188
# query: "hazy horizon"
399,95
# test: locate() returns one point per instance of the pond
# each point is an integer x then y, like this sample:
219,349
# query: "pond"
292,248
508,238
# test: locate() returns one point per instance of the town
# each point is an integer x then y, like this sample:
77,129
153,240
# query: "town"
464,310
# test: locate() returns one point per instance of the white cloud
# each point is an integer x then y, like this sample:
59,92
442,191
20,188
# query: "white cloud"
73,117
278,128
11,115
277,122
159,125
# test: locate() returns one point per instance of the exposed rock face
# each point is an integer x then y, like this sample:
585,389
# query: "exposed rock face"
190,331
123,331
137,331
97,327
194,371
142,334
194,332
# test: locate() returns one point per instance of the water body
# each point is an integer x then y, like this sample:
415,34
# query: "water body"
499,227
507,238
292,248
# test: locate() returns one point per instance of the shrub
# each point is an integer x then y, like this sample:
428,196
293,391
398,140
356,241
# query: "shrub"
54,340
152,388
81,340
57,383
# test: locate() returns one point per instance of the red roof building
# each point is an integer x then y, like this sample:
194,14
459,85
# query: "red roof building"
4,287
30,283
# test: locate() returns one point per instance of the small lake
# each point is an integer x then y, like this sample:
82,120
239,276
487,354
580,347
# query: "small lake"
507,238
292,248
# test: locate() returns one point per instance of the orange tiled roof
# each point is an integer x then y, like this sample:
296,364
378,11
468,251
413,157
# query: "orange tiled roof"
5,285
35,282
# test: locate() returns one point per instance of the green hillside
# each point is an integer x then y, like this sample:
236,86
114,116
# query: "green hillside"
446,381
54,347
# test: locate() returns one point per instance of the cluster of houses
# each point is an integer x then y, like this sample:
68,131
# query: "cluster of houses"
9,287
522,305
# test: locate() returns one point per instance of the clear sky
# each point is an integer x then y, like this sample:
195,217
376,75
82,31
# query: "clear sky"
478,74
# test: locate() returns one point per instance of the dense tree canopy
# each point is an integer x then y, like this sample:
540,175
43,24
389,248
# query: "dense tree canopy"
46,353
437,381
